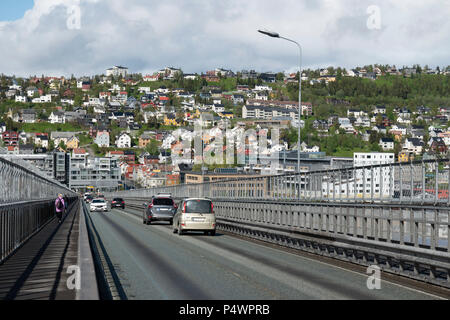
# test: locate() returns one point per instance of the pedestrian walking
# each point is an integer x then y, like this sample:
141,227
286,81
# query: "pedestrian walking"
60,207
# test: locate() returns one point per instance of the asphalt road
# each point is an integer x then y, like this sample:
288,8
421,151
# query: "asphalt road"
152,263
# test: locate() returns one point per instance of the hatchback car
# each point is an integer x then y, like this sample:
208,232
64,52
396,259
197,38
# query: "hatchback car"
161,208
99,205
118,203
195,215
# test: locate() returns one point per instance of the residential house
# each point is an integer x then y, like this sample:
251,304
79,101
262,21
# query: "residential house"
64,137
362,121
387,144
73,143
123,140
10,138
129,156
413,145
41,140
321,125
405,156
29,116
238,99
379,129
171,120
144,140
437,145
379,110
21,98
102,139
57,117
31,91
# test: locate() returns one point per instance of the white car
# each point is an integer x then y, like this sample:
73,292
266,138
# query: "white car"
99,205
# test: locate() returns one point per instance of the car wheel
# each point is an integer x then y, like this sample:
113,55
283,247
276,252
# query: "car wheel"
213,233
206,233
144,222
149,222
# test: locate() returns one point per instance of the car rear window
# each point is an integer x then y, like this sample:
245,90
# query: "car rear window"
162,202
118,199
198,206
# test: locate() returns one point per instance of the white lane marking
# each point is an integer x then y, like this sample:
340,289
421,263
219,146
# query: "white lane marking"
313,260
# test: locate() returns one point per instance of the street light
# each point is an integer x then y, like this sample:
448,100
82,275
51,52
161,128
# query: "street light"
276,35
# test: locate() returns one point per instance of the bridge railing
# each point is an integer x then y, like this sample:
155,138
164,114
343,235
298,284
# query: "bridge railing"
424,182
26,204
22,184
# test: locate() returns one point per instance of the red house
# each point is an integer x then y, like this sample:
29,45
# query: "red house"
10,138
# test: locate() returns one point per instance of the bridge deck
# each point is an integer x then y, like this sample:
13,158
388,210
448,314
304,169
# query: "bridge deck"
38,270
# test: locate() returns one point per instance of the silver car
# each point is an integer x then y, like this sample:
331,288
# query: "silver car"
195,214
161,208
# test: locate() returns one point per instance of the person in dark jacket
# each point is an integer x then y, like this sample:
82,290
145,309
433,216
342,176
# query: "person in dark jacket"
60,207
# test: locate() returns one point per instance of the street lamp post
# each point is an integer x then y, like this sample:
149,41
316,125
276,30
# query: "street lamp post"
276,35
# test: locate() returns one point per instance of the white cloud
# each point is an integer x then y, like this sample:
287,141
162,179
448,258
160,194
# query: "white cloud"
198,35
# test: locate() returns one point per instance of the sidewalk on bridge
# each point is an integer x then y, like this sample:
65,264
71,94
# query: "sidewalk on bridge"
38,270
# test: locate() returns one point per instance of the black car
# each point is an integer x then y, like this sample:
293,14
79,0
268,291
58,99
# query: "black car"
118,203
161,208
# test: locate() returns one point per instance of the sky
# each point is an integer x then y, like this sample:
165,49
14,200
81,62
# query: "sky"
85,37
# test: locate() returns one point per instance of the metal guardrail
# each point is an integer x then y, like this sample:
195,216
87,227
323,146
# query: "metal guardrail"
22,184
19,221
26,204
424,182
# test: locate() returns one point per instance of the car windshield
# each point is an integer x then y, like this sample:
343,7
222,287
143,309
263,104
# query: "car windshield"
162,202
198,206
98,201
118,199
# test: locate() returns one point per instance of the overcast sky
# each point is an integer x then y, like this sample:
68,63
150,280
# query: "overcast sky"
198,35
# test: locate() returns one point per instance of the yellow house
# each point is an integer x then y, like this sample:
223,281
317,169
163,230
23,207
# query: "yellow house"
171,120
72,143
405,156
226,114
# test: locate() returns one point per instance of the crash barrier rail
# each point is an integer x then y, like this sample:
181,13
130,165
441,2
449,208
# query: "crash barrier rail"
22,184
19,221
422,182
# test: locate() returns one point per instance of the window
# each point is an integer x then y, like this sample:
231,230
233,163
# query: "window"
162,202
198,206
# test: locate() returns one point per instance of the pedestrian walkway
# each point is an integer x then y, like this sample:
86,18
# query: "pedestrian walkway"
38,270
